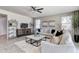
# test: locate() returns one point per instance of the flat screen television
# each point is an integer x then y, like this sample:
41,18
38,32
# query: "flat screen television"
24,25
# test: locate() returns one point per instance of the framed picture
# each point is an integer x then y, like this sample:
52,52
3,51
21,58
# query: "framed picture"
45,24
12,23
52,24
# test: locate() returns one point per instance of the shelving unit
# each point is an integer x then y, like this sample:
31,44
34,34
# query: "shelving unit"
48,23
47,26
12,24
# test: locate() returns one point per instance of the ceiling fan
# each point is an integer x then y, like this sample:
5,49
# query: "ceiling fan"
39,10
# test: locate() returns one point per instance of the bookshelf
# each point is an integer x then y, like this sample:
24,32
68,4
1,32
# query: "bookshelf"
12,24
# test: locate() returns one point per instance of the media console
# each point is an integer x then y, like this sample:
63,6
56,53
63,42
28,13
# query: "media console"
23,32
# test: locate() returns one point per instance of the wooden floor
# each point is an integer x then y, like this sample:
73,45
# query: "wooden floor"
3,39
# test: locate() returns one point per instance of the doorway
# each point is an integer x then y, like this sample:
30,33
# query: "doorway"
3,28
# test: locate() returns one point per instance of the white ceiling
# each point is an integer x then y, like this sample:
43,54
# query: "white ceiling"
48,10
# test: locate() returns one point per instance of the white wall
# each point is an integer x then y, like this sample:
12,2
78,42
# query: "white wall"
53,18
24,21
56,18
17,17
3,25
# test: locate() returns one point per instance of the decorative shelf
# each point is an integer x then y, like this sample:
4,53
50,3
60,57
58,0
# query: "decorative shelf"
12,24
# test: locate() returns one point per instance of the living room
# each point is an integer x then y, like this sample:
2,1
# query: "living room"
40,29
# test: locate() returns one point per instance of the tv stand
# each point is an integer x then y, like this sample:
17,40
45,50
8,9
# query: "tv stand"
23,32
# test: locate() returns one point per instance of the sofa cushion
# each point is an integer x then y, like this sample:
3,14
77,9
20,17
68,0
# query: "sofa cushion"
55,40
47,47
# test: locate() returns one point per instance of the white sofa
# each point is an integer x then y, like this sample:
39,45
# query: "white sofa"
68,47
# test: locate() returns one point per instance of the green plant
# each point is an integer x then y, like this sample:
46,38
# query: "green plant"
76,19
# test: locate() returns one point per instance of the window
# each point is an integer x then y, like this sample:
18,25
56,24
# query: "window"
66,22
66,19
37,24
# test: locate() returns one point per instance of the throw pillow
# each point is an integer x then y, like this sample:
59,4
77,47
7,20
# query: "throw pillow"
61,40
55,40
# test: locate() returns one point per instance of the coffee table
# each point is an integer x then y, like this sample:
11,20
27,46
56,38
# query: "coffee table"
35,39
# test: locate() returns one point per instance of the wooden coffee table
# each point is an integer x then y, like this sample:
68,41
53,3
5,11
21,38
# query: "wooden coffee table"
35,39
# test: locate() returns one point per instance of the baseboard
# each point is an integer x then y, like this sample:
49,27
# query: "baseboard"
3,35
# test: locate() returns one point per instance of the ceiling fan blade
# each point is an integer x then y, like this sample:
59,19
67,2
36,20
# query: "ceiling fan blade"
40,9
33,8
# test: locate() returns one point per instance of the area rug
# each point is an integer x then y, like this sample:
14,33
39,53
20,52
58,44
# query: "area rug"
12,48
26,47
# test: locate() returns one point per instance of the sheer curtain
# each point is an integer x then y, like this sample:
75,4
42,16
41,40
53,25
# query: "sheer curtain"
66,22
